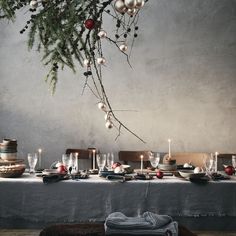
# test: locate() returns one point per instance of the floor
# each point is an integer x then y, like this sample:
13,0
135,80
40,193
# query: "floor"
31,232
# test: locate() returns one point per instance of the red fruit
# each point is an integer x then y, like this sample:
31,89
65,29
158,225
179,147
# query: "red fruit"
89,24
61,169
159,174
116,164
229,170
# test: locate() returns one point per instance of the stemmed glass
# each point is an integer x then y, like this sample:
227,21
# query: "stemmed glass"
66,161
110,160
154,158
209,163
32,160
101,161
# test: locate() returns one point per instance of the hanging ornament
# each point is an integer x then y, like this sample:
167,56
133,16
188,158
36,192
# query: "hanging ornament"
123,47
139,4
102,34
89,24
87,62
120,6
102,106
34,4
101,60
107,116
109,124
130,3
131,12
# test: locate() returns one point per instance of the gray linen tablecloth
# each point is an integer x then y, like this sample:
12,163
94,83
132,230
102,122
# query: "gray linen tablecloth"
26,201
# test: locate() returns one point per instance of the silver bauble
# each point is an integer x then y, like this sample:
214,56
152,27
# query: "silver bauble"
131,12
34,4
102,106
123,47
107,116
130,3
102,34
139,4
87,62
120,6
109,124
101,60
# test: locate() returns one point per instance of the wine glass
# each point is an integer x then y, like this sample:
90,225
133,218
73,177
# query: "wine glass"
66,160
154,158
110,160
209,163
101,161
32,160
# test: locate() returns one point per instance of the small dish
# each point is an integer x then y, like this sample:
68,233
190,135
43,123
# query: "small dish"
105,173
191,174
167,167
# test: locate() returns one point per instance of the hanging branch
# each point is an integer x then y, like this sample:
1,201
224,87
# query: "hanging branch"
69,31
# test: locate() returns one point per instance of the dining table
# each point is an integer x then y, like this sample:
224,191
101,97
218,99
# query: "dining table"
27,202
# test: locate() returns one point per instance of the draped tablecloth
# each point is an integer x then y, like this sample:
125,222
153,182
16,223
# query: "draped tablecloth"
28,201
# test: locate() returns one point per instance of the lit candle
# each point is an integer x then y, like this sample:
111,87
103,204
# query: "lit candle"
141,163
169,141
40,157
216,161
94,161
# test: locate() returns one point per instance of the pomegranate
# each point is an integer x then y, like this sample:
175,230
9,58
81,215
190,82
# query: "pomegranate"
229,170
116,164
159,174
61,169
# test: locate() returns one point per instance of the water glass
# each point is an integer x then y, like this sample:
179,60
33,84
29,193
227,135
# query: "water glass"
101,161
32,160
110,160
154,158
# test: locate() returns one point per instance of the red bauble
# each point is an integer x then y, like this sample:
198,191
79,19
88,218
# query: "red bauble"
116,164
229,170
159,174
89,24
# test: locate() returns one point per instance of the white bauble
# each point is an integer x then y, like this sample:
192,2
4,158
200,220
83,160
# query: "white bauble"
131,12
109,124
197,170
101,60
186,165
102,34
87,62
34,4
102,106
123,47
139,4
107,116
120,6
130,3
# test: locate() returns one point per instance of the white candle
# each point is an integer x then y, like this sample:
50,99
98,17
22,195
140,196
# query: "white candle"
216,161
40,158
94,161
169,141
141,157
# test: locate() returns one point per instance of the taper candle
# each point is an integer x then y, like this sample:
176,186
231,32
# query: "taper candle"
40,157
169,141
216,161
94,161
141,157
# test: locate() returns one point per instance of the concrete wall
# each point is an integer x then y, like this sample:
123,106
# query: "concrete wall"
182,86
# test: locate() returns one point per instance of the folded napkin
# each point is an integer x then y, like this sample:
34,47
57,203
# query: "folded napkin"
47,179
170,229
148,220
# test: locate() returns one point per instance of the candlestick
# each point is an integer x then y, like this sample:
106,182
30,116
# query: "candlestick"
216,161
141,163
169,141
40,157
94,161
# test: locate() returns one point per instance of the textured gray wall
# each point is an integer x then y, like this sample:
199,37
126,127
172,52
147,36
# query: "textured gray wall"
182,86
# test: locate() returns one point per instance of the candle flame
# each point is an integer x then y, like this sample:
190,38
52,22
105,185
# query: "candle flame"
39,150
